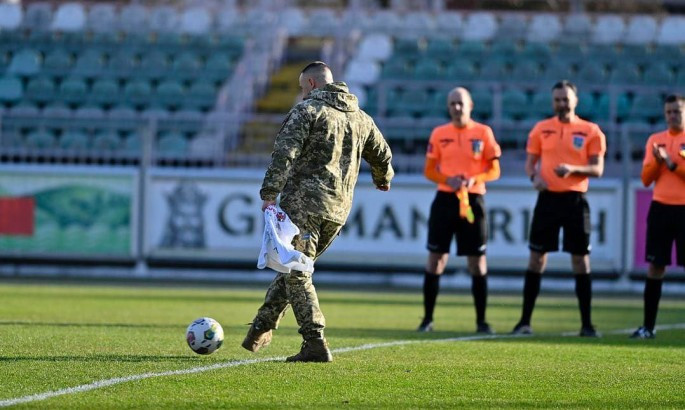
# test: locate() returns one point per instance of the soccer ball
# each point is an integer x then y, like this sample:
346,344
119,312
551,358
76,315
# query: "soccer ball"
204,335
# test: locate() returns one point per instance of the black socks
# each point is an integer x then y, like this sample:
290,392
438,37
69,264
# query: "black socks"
584,294
479,290
531,289
652,297
431,287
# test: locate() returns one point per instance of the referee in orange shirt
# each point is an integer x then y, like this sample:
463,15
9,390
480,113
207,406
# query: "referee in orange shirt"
462,155
664,164
563,151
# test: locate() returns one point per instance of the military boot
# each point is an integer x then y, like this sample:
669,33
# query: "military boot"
257,337
313,350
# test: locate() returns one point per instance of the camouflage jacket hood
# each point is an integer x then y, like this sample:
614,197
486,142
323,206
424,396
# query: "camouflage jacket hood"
317,155
337,95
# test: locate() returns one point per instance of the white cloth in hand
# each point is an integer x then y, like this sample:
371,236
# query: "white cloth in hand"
277,250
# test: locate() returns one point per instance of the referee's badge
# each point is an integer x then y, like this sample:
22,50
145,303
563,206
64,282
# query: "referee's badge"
578,141
477,147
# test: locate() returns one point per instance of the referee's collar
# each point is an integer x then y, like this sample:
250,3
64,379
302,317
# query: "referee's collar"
469,124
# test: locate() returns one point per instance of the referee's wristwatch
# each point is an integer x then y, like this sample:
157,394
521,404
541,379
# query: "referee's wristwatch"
672,166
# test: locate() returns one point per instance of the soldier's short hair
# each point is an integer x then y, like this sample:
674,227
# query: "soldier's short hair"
315,68
671,98
565,84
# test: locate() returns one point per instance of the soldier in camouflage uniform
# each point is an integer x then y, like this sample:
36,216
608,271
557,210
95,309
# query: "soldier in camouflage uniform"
314,167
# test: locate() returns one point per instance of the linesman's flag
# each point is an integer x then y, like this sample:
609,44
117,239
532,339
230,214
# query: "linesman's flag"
17,216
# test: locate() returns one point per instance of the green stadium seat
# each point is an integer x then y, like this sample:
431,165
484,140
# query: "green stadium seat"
493,70
555,71
515,105
154,65
11,90
503,50
11,140
537,52
40,90
40,139
406,48
106,141
482,103
571,53
57,63
105,91
186,66
622,107
170,93
122,64
636,54
25,63
395,70
586,108
525,71
133,144
592,73
472,50
74,140
625,74
680,77
647,108
201,94
428,69
73,90
137,92
606,54
89,64
658,74
172,145
541,105
218,67
440,48
669,54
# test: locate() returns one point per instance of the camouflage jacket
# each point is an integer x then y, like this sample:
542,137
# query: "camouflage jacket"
317,154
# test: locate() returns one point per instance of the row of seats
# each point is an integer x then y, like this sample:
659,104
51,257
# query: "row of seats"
105,143
515,105
93,63
105,92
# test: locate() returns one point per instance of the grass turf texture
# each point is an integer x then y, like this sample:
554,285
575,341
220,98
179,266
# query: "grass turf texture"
55,337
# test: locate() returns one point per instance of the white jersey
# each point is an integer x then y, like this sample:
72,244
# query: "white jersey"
277,250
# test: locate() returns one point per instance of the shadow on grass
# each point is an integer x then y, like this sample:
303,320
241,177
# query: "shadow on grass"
100,358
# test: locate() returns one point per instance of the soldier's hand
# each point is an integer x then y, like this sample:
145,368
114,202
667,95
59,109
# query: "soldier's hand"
266,204
383,187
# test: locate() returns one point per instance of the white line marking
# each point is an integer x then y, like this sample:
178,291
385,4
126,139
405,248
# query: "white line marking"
117,380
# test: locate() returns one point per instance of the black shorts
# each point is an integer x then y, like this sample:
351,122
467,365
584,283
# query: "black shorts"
556,210
444,223
665,224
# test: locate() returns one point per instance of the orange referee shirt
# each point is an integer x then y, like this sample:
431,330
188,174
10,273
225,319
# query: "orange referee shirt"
669,187
570,143
464,151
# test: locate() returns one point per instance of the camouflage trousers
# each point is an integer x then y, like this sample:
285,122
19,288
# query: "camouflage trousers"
296,288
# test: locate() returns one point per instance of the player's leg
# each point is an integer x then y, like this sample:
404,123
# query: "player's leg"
472,242
577,242
441,227
315,236
544,238
662,229
268,316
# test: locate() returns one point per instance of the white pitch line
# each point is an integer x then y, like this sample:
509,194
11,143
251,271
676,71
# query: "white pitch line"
118,380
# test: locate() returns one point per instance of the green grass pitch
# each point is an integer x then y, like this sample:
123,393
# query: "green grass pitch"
59,337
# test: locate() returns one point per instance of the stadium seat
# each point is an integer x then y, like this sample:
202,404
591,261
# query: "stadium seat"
395,70
26,63
170,93
375,47
544,28
672,31
225,19
577,28
125,117
11,90
122,64
512,26
385,21
154,65
555,71
504,50
482,103
74,140
603,107
479,26
172,145
69,17
11,140
73,90
38,16
428,69
461,70
440,48
89,114
668,53
537,52
658,74
104,91
608,29
680,78
163,19
57,114
642,29
591,73
606,54
89,64
515,105
40,90
185,65
636,53
196,21
450,23
406,48
137,91
10,16
362,72
571,53
647,107
106,141
472,50
322,22
133,18
133,144
40,139
493,70
24,114
625,74
418,23
586,106
525,71
201,95
57,63
218,67
102,18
